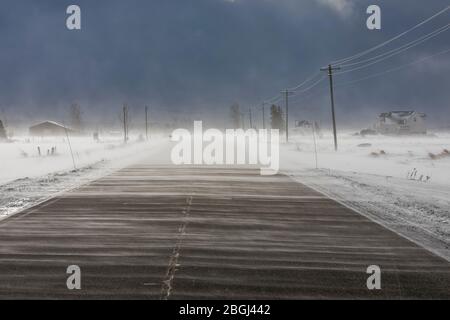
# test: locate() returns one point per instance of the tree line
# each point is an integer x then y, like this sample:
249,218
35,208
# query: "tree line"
277,117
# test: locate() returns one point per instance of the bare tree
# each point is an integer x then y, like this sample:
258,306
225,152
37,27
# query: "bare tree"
2,131
124,118
277,118
76,117
236,116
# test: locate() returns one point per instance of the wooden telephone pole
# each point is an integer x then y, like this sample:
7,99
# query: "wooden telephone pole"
286,95
264,115
125,123
330,70
146,122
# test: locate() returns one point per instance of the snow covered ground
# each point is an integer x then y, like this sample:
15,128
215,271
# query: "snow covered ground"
31,158
400,182
27,178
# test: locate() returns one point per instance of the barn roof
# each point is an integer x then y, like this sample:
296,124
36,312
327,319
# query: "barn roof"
53,123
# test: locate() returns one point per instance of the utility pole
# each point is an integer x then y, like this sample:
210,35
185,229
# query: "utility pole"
125,123
146,122
330,70
250,117
314,139
263,114
286,95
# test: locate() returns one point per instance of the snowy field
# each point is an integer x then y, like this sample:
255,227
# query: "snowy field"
400,157
28,176
30,158
401,182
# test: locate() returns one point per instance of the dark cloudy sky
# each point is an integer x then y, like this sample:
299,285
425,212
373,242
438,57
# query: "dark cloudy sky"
193,56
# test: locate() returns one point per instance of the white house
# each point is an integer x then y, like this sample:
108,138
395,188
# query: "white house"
401,122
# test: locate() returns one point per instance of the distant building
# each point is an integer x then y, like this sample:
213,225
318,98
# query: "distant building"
303,124
401,122
49,128
305,127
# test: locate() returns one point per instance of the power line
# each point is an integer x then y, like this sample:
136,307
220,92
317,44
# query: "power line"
304,82
365,52
274,99
310,95
277,98
373,60
408,45
391,55
296,93
314,94
393,69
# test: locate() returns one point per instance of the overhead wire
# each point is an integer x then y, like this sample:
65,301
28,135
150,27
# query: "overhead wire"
392,69
392,54
365,52
405,46
345,62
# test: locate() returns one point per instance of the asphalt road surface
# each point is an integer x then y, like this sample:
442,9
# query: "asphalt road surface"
155,232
